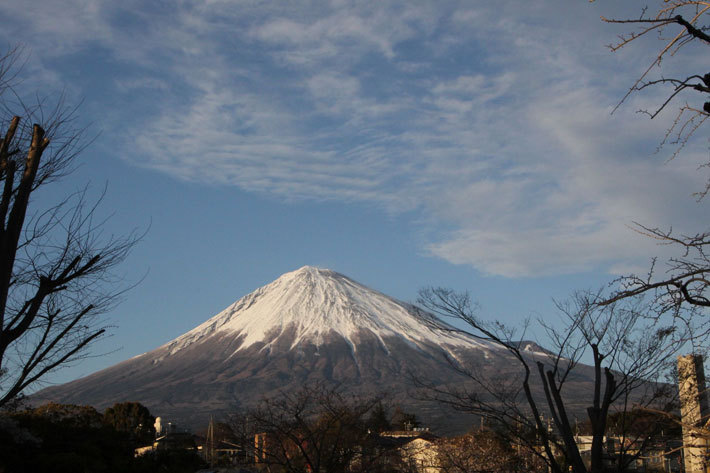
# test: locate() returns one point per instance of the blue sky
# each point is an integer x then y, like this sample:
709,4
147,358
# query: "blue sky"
405,144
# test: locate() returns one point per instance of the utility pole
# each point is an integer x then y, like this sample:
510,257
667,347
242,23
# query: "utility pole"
210,452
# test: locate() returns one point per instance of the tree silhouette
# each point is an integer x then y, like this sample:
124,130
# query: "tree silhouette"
133,418
55,262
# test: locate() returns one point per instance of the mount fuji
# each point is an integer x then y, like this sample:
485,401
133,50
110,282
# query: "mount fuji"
308,326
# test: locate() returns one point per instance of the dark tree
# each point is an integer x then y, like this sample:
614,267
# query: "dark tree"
58,438
55,262
133,418
379,420
61,438
402,420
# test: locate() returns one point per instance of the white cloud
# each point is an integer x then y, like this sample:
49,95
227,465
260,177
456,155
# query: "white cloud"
62,26
128,85
492,123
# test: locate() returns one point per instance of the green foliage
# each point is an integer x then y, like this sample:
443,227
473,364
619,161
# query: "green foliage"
68,415
132,418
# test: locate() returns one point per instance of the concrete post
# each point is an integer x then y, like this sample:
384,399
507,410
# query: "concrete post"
694,412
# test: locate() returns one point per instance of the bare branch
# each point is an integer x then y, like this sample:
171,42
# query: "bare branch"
56,265
683,18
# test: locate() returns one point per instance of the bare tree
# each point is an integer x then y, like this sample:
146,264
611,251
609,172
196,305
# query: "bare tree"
55,262
482,451
315,429
627,335
678,25
628,355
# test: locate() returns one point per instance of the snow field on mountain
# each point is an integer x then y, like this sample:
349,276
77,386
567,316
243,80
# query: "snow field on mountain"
315,303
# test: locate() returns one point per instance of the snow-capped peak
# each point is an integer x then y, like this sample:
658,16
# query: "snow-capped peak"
314,302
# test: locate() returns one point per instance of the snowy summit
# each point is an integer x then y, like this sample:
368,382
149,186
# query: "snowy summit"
312,303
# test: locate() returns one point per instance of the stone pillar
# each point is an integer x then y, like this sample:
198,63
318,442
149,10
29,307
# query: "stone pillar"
694,412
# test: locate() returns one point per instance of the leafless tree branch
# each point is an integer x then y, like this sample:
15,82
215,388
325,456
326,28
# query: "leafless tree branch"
56,264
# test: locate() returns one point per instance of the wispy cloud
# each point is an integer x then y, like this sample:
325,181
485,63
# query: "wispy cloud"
492,123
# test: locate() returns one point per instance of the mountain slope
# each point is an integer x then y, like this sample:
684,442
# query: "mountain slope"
308,326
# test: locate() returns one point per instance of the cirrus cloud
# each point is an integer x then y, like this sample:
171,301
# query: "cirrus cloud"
491,124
